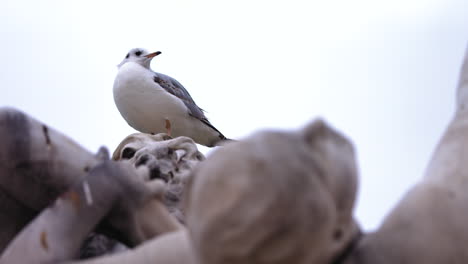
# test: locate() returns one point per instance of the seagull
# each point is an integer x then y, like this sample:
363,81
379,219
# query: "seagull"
153,103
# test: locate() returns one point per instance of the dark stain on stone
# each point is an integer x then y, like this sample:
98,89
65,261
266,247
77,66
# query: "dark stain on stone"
337,234
45,129
15,132
43,239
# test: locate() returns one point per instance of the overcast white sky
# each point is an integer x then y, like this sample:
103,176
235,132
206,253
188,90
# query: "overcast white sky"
382,72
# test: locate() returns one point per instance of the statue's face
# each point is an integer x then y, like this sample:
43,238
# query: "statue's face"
167,158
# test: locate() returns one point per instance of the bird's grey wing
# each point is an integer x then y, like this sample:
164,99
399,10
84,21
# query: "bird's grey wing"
172,86
175,88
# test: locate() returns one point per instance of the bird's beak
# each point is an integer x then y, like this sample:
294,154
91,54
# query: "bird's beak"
152,55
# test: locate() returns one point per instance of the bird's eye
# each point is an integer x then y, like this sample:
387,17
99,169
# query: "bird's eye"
128,153
128,55
138,53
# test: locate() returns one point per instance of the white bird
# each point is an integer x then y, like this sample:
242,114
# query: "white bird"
153,103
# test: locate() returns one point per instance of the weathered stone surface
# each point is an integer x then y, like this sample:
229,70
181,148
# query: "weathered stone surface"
112,190
37,163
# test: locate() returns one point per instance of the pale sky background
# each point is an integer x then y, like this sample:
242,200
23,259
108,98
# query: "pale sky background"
382,72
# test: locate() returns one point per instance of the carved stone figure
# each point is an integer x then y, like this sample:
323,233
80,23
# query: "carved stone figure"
171,160
275,197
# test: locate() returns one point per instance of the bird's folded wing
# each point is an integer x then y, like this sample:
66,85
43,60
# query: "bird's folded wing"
173,87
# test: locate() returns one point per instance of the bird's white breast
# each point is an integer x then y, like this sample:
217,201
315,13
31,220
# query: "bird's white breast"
142,102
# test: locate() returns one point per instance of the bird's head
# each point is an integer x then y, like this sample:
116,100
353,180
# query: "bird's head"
140,56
